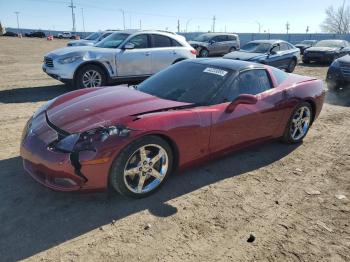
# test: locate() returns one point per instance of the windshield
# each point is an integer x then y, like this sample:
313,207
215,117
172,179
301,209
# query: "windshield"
188,82
256,47
92,36
112,41
330,43
202,38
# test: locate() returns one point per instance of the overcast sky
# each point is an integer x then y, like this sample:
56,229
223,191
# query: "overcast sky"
234,15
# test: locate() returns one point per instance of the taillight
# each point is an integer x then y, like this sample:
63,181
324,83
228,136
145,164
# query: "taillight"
194,51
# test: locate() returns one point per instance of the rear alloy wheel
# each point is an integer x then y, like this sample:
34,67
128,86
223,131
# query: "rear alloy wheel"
298,124
204,52
90,76
232,49
142,167
291,66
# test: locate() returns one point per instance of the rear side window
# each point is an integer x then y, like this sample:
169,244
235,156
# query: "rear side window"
231,38
253,82
284,46
220,38
279,75
162,41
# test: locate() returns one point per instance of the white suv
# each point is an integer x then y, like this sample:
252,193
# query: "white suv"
124,56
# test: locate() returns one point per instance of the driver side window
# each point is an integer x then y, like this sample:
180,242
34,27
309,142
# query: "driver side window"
253,82
140,41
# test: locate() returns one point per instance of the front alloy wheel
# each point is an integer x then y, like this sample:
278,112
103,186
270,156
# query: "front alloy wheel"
142,167
92,78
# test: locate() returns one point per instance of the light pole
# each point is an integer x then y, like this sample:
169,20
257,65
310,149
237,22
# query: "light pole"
82,14
122,10
17,13
259,24
188,21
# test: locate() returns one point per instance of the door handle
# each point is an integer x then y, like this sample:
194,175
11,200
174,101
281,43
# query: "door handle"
174,52
147,53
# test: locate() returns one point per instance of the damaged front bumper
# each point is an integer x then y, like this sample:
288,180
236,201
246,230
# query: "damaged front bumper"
59,170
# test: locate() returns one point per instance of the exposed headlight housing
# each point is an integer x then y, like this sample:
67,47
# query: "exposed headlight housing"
68,60
87,140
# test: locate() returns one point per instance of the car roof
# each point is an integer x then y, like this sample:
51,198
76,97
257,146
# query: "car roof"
236,65
268,41
215,34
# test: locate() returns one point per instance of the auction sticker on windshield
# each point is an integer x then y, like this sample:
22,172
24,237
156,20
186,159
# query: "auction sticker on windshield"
215,71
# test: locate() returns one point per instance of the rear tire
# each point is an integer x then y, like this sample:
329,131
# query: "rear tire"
134,166
306,61
90,76
299,124
232,49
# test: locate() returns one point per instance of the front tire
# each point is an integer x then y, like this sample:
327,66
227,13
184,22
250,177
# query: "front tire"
298,124
142,167
90,76
204,52
291,66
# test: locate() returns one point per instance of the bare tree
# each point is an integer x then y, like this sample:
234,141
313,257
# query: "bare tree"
337,20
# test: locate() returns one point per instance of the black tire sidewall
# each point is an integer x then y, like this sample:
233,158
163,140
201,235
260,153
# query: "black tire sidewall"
290,70
78,79
287,136
116,173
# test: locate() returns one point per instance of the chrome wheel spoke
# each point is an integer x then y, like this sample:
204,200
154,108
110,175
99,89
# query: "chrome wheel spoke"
156,174
143,154
142,180
155,159
132,171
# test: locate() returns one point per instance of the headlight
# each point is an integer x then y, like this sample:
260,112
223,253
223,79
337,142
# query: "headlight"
68,60
43,108
86,141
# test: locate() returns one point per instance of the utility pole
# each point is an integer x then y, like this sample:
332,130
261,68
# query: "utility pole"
287,27
140,24
73,15
225,28
122,10
82,14
307,29
17,13
178,25
214,18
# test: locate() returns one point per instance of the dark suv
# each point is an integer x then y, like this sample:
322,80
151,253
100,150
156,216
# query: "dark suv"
215,44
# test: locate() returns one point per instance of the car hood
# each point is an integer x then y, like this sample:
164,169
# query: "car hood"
76,50
246,56
86,109
322,49
82,42
344,59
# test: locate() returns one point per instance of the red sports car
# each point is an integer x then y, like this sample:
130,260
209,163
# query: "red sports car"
131,139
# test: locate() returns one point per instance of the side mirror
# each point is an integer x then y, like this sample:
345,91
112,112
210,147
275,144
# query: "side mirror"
211,41
244,99
129,46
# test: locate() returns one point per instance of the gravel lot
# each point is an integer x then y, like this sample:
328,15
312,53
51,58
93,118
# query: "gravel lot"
286,196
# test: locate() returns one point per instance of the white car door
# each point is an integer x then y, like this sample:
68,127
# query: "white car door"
164,52
135,61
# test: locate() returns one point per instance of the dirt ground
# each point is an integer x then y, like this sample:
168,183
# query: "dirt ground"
286,196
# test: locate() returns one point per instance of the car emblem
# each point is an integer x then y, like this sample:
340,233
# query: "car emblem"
87,109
